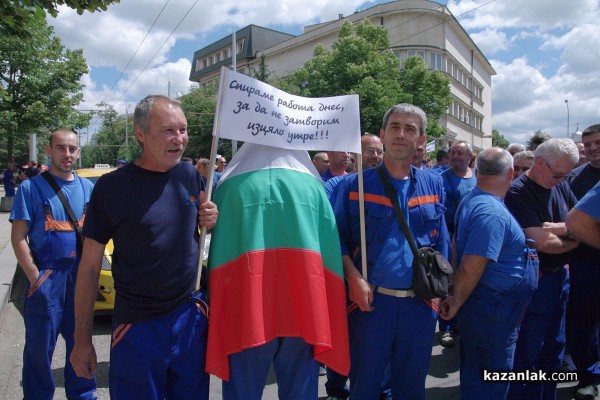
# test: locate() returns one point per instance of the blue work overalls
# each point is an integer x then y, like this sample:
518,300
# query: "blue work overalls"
49,311
489,322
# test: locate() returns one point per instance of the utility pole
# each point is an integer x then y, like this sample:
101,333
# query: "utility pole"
127,130
567,103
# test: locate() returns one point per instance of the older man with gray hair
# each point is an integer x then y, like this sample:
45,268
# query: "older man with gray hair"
496,277
515,148
522,162
540,200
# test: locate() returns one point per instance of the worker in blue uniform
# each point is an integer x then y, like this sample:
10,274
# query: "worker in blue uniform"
45,244
388,324
495,279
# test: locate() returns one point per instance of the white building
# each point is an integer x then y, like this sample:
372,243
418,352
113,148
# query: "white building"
416,28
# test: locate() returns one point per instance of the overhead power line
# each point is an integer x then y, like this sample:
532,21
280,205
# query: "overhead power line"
136,51
157,51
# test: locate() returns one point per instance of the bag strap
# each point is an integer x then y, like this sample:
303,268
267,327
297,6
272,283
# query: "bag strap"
393,195
63,199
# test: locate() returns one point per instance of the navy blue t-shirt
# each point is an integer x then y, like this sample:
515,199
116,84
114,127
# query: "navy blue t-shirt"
152,218
532,205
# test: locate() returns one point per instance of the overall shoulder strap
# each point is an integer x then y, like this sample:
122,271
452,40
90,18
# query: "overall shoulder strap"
393,195
63,199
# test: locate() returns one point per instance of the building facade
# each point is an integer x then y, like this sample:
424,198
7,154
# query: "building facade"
416,28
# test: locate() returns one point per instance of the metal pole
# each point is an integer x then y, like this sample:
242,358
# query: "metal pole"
234,143
567,103
127,130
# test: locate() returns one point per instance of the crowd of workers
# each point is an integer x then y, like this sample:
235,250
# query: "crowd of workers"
522,231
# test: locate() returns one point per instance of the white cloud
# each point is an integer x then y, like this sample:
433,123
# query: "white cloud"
529,89
109,39
490,41
544,15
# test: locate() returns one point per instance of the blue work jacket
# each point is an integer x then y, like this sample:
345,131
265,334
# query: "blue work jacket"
387,250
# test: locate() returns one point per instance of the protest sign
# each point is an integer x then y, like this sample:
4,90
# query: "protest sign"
253,111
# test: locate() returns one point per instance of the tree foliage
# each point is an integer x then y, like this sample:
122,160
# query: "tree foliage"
39,86
17,15
199,108
109,145
360,62
262,73
498,140
427,89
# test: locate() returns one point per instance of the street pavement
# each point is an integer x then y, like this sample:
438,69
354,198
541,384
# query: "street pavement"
442,381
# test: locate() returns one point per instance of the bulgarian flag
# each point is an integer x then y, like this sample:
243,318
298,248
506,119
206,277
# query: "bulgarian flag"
275,266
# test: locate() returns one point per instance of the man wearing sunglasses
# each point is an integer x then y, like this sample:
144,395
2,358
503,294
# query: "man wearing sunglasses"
540,200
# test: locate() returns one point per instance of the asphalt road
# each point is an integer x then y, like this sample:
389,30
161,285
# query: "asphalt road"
442,381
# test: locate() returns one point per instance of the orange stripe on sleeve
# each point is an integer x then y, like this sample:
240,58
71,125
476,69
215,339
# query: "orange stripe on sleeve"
420,200
372,198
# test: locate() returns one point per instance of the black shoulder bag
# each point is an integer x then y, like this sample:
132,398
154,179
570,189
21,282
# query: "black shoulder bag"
68,209
431,270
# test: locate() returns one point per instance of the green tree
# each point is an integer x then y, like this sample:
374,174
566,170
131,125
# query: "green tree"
427,89
108,144
199,108
498,140
360,62
262,73
39,87
17,15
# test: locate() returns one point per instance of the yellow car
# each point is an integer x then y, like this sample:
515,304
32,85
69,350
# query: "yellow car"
105,298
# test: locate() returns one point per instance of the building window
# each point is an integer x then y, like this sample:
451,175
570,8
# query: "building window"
435,61
418,53
239,46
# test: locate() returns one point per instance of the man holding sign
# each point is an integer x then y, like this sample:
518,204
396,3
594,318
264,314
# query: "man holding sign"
389,325
159,331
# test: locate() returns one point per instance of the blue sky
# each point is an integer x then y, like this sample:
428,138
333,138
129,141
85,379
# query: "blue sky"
544,52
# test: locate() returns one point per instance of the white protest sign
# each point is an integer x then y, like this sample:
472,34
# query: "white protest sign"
430,147
252,111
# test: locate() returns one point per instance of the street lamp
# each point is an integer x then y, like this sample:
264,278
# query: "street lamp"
567,103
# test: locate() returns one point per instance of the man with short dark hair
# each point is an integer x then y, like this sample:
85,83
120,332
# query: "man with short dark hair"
417,160
536,139
151,209
48,250
389,325
540,199
441,161
495,279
